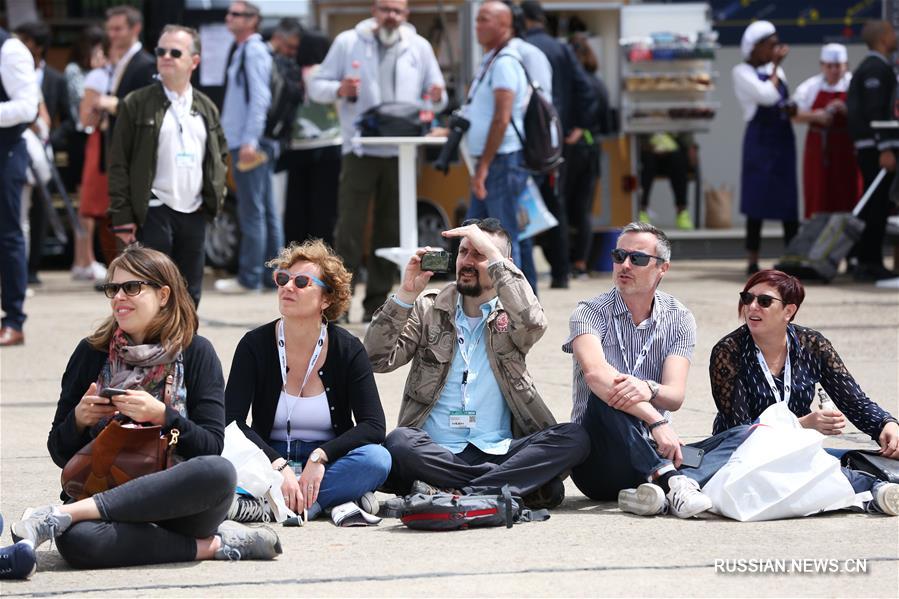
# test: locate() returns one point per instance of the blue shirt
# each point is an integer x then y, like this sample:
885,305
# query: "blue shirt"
492,432
505,73
244,122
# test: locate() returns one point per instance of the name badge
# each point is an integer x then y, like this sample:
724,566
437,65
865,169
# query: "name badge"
185,160
463,419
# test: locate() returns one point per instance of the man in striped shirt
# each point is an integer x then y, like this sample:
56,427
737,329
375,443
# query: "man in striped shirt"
632,348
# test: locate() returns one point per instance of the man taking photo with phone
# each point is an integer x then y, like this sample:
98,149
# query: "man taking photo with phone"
471,418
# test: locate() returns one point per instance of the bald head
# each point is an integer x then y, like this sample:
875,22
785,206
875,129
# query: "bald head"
494,24
879,36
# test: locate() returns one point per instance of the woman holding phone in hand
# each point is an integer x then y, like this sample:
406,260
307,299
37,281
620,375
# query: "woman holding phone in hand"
316,410
147,344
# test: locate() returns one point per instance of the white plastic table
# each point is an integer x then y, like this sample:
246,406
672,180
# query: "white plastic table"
408,196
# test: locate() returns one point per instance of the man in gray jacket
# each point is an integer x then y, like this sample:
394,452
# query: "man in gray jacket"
381,60
471,418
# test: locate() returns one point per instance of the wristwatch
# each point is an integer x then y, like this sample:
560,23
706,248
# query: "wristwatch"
653,388
317,457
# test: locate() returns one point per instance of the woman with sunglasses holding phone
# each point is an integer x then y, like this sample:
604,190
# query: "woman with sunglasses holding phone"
147,348
770,359
315,407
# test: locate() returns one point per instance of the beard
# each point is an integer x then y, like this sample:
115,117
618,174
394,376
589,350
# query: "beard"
388,37
470,289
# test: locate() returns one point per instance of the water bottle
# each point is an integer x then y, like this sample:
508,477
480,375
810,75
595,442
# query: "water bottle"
825,404
426,113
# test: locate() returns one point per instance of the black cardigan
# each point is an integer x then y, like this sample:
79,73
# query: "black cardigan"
202,433
255,380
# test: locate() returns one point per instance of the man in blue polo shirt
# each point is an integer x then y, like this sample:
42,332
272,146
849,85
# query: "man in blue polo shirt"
496,99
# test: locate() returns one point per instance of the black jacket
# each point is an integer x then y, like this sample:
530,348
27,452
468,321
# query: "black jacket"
255,382
202,432
869,99
56,97
573,96
139,73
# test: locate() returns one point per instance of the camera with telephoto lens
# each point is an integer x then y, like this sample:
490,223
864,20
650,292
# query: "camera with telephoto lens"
458,125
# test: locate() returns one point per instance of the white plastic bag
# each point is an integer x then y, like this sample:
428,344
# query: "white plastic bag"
539,218
780,471
254,471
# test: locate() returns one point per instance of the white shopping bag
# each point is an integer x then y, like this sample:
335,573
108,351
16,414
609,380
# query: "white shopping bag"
539,218
780,471
254,471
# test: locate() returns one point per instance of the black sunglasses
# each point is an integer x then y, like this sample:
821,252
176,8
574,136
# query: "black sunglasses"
637,258
131,288
283,277
175,52
234,13
764,300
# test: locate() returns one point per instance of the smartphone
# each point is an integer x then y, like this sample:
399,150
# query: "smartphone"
692,456
435,261
122,229
110,392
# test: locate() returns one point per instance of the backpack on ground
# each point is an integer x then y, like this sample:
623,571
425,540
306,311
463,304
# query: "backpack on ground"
825,240
446,511
286,86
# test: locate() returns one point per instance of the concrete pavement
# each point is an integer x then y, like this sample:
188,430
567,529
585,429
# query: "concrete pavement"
585,549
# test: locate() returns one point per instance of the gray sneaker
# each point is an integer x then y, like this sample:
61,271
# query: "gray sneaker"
886,498
241,542
423,488
39,525
368,503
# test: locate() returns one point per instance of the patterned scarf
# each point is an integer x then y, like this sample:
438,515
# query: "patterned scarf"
144,367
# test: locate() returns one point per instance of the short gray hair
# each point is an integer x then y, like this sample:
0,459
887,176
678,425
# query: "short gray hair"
663,244
193,33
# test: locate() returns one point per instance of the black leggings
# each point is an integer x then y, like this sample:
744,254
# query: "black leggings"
154,519
754,233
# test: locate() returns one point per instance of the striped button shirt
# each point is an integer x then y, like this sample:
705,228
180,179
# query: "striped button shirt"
671,326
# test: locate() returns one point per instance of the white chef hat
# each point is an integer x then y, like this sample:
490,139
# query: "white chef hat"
755,33
831,53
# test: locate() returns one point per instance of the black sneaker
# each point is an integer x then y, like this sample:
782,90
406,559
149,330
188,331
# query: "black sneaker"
17,562
249,509
871,273
241,542
549,496
752,268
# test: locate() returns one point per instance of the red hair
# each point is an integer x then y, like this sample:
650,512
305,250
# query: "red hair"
789,287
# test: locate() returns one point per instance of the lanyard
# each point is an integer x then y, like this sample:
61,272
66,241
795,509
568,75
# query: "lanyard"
643,352
282,357
788,374
483,73
467,359
178,123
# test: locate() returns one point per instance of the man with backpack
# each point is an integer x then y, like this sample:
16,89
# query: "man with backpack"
496,100
245,111
381,60
471,418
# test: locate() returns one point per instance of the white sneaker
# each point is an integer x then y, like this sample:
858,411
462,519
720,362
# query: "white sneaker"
369,503
646,500
82,273
97,271
886,498
685,499
233,287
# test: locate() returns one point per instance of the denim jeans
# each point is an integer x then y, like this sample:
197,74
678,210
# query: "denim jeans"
347,478
718,450
261,233
13,256
527,266
505,183
154,519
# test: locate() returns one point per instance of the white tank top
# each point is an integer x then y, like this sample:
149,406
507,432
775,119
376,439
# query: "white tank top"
310,418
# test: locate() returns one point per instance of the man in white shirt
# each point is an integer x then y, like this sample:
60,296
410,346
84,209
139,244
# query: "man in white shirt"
166,179
19,98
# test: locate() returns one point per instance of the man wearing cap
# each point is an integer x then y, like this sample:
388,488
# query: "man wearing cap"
829,173
768,187
870,98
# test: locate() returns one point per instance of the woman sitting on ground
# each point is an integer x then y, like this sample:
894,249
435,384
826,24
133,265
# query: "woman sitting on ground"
770,359
306,380
149,347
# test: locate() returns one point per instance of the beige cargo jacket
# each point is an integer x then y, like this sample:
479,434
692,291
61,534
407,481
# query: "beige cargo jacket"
426,334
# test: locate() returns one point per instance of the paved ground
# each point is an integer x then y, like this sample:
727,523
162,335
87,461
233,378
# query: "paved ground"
586,549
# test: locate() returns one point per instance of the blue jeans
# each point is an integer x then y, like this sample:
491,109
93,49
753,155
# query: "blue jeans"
261,233
347,478
718,450
13,256
528,268
506,180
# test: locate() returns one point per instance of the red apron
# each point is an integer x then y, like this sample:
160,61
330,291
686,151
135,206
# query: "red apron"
830,175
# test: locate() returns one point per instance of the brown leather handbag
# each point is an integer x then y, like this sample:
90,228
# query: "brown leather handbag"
121,452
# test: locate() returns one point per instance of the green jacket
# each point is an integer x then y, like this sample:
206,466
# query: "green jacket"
132,166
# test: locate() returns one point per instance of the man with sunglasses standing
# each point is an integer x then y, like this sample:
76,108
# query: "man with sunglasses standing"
471,418
632,349
165,180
